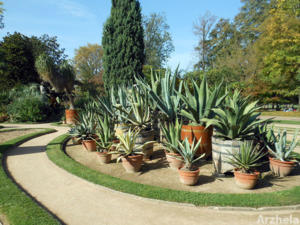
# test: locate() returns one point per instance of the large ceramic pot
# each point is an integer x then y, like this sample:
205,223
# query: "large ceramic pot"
174,161
189,177
143,137
132,163
198,132
281,168
246,180
89,145
71,116
221,153
103,157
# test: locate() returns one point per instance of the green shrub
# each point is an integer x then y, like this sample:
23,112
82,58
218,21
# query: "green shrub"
28,108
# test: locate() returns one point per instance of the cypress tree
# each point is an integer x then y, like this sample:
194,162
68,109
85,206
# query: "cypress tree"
123,45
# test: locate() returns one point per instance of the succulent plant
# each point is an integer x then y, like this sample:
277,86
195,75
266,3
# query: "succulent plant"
281,150
188,152
105,132
172,132
247,158
200,104
85,128
237,119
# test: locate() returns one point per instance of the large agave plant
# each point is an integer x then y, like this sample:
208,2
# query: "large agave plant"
280,149
105,132
120,103
172,132
237,119
199,105
85,129
247,158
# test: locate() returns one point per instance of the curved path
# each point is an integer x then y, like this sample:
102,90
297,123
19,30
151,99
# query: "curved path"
76,201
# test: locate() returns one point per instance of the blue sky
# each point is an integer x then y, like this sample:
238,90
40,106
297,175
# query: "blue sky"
78,22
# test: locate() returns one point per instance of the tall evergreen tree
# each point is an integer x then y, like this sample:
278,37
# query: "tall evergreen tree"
123,44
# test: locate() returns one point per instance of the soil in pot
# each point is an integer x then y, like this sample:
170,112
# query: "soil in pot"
89,145
188,177
132,163
196,132
246,180
173,160
281,168
71,116
103,157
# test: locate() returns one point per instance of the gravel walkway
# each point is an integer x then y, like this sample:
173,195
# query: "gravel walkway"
76,201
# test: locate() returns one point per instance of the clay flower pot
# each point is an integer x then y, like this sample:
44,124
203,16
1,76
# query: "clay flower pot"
103,157
71,116
173,161
281,168
188,177
132,163
246,180
89,145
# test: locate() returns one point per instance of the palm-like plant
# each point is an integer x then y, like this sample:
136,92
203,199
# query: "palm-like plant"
280,149
188,152
105,133
237,119
172,132
126,146
61,77
199,105
247,158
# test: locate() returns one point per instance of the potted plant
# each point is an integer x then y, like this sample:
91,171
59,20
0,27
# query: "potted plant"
197,106
172,133
106,135
189,174
245,161
235,122
283,159
130,154
85,130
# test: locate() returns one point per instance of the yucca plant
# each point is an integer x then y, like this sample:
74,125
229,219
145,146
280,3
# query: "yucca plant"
247,158
188,152
281,150
105,133
172,132
126,146
237,119
199,105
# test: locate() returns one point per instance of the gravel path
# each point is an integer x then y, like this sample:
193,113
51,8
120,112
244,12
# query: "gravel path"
76,201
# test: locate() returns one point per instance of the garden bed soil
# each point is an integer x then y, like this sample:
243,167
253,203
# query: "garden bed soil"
9,135
156,172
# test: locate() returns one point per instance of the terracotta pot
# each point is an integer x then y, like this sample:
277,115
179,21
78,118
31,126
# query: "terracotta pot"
103,157
196,132
174,162
133,163
71,116
76,141
143,137
189,177
280,168
89,145
246,180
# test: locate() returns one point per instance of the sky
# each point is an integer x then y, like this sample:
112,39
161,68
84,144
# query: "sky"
78,22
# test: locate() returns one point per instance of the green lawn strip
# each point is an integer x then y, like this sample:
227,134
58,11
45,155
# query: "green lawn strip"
56,154
292,122
60,124
19,208
18,129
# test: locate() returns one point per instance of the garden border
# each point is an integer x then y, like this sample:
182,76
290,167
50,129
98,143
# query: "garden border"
19,207
290,199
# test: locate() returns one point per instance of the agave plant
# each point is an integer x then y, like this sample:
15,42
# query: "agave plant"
188,151
126,146
199,105
247,158
105,133
281,150
165,95
237,119
85,129
172,132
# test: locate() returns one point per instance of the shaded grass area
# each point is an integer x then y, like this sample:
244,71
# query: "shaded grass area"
56,154
18,129
19,208
280,113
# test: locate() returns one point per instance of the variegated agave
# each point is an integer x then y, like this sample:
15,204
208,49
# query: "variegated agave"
237,119
281,150
172,132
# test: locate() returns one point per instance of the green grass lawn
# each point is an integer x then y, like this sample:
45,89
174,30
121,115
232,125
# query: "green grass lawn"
292,122
56,154
18,208
280,113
